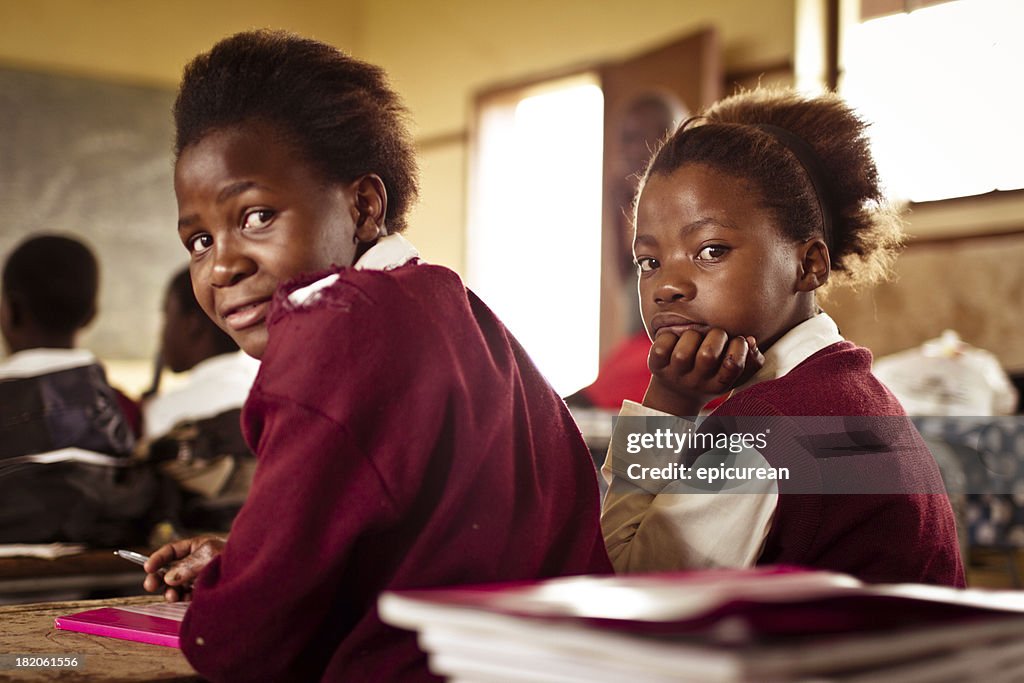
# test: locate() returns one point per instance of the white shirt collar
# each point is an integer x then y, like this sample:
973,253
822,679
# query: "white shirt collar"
390,252
796,346
792,349
35,362
220,365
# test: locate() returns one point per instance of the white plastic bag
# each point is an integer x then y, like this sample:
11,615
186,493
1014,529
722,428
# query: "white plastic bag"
947,376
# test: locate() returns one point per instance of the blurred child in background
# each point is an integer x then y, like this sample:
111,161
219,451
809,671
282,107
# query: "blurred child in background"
194,430
65,438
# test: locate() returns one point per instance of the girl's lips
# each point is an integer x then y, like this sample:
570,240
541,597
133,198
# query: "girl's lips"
679,328
247,315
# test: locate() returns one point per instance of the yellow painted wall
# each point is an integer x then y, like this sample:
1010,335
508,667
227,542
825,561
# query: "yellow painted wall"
439,53
148,41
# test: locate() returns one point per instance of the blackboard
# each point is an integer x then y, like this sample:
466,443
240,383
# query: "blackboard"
93,159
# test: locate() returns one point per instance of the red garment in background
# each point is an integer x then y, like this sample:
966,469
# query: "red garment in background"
132,412
624,374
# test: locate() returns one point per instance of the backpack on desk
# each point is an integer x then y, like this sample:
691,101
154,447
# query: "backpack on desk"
211,462
66,473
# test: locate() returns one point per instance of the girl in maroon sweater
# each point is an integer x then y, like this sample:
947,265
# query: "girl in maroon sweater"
403,437
743,214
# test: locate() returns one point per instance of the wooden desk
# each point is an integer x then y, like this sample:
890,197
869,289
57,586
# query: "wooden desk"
29,630
93,570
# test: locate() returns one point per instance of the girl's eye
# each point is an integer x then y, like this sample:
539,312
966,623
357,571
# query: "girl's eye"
197,244
646,264
257,218
712,252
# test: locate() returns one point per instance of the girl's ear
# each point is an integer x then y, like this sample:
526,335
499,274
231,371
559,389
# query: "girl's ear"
371,207
814,265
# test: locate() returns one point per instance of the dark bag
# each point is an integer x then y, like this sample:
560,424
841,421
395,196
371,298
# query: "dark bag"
213,466
100,498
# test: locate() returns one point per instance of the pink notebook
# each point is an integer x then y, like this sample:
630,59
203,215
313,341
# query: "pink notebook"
157,624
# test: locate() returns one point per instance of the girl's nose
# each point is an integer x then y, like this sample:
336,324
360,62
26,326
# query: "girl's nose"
230,264
673,285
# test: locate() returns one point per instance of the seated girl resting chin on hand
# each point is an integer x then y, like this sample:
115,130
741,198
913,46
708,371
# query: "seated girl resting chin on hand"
742,215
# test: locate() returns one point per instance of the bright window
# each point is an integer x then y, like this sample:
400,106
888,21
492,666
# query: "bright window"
534,241
941,88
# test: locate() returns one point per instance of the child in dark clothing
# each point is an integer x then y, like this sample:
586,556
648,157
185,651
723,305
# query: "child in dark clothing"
744,213
64,436
50,284
193,431
49,295
403,437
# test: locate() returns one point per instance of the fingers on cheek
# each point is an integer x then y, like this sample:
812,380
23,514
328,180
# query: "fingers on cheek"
682,359
736,354
661,351
718,339
709,355
733,362
683,356
657,358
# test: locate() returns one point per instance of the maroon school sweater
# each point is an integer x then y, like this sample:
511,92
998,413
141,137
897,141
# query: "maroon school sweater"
404,440
894,522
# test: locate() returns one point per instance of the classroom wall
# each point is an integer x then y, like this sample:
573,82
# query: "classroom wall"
147,43
440,54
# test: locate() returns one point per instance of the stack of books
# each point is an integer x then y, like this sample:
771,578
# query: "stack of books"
765,625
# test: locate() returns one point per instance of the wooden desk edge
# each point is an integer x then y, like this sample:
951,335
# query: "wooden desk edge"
29,630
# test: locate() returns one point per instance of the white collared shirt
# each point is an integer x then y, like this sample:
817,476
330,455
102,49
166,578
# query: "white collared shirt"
671,530
215,385
390,251
35,362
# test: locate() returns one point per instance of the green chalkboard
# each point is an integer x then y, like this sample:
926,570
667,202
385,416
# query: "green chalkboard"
93,159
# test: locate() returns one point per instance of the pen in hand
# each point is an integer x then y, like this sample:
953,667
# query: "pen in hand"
140,559
185,560
137,558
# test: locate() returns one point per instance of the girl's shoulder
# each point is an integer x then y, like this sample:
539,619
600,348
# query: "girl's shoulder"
346,315
836,380
345,293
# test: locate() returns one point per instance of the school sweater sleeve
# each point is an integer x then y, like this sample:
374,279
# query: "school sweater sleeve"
257,607
389,457
321,418
671,527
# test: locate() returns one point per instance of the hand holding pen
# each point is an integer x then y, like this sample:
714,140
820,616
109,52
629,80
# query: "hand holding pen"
173,567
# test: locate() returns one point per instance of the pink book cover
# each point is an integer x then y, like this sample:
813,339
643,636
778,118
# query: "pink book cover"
157,624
